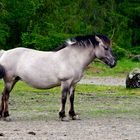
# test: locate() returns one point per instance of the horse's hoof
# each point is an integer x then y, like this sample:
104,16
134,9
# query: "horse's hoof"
6,114
73,115
76,117
62,114
7,119
65,119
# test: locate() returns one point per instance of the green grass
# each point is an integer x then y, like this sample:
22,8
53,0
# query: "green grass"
91,101
122,68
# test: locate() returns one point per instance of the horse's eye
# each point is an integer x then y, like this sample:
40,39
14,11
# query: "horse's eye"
105,47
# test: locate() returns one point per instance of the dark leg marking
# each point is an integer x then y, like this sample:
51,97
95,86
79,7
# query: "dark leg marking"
6,114
4,103
72,113
5,97
63,102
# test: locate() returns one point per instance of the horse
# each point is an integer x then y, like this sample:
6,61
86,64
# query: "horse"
47,69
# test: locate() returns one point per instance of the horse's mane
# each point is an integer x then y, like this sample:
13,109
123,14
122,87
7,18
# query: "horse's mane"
83,41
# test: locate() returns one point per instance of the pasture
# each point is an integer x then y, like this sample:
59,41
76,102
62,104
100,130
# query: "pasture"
106,112
91,101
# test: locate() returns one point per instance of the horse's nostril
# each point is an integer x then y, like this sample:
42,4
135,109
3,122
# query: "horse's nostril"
113,64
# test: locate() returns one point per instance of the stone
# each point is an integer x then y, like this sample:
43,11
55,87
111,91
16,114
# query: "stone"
133,79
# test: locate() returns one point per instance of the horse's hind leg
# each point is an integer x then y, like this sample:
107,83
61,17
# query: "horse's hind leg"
5,97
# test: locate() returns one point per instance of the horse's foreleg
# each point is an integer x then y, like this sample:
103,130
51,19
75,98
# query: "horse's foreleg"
5,97
4,103
71,98
65,91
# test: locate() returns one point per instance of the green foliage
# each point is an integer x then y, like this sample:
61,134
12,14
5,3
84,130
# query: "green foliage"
41,42
131,10
45,24
135,49
120,52
4,34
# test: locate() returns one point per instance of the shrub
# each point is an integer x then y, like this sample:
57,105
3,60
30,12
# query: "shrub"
46,43
135,50
119,52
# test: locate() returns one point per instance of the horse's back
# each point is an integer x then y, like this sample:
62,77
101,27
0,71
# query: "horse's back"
13,52
16,53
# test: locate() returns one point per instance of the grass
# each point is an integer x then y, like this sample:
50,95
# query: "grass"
91,101
122,68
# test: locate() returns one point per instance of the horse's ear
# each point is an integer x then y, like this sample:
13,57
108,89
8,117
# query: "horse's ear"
98,39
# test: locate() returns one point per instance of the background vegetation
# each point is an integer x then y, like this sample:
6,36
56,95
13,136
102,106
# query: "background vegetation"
45,24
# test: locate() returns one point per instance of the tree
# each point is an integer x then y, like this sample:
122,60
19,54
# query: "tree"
45,24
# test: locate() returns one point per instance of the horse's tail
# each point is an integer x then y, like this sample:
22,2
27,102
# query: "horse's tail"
1,52
2,71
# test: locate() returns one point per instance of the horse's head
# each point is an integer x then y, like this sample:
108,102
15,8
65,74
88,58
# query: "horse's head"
104,52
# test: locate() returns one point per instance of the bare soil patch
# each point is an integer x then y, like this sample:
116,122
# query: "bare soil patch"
99,129
108,81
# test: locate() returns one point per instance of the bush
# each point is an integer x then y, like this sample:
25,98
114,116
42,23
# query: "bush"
46,43
119,52
135,50
4,34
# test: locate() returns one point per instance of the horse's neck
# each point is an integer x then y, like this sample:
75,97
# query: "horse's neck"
87,56
80,55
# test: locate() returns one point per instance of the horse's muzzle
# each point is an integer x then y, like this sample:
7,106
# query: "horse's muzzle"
110,62
113,64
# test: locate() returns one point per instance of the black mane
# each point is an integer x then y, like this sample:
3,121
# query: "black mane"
83,40
87,39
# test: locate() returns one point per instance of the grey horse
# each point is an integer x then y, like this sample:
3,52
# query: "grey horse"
63,67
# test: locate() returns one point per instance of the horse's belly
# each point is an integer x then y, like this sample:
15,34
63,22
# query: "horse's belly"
42,83
44,86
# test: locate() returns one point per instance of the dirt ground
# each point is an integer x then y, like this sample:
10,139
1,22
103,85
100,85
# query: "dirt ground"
92,129
115,81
